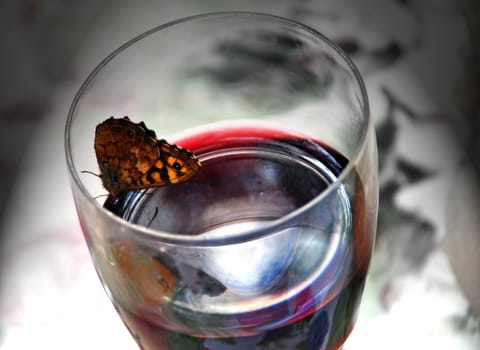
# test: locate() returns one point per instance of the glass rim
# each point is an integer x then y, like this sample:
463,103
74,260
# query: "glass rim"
241,235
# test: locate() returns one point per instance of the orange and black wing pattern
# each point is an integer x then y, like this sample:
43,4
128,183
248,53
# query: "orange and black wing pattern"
130,157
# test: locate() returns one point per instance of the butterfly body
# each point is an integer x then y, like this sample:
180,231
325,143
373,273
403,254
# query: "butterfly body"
130,157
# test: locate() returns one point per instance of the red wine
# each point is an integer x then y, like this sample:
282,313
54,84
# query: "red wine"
296,288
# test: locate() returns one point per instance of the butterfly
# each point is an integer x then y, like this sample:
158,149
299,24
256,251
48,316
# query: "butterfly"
130,157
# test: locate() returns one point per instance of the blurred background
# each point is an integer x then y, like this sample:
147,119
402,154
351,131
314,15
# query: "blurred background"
420,61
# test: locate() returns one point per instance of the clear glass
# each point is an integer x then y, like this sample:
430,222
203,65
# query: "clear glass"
268,246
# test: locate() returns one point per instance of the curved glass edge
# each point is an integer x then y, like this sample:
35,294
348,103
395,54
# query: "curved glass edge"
172,238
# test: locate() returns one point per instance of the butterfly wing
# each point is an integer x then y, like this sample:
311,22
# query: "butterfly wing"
130,157
175,164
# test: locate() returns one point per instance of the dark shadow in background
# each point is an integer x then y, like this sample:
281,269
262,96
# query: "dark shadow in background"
38,42
469,96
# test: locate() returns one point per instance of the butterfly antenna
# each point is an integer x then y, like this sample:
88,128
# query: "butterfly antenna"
100,195
90,172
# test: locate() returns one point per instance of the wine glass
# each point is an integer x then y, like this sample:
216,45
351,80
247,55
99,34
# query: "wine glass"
268,245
